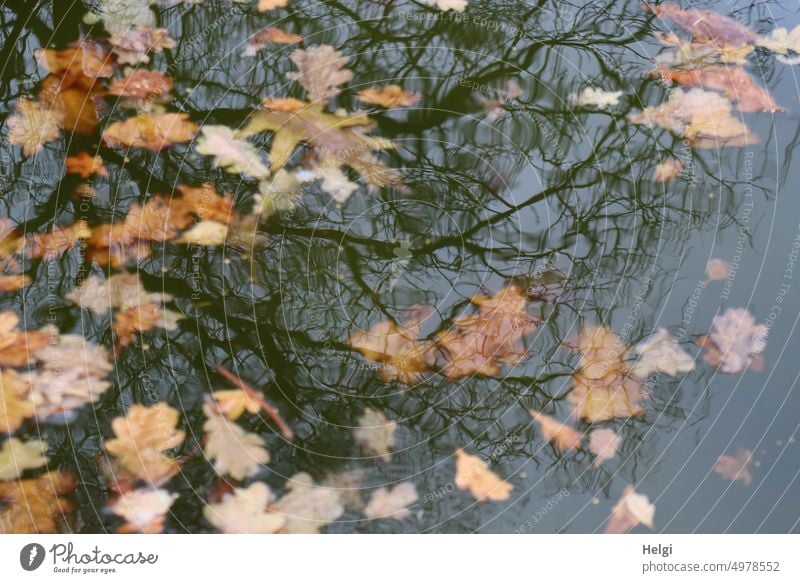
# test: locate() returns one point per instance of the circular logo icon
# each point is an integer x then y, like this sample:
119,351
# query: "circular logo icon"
31,556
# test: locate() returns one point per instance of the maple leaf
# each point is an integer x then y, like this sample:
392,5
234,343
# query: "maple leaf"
385,503
85,165
142,85
17,347
705,26
375,433
734,82
478,344
308,508
667,170
245,512
563,437
735,341
17,456
603,443
474,475
268,36
154,131
132,45
631,509
234,451
702,117
736,467
33,125
321,72
661,353
71,373
142,437
336,140
33,506
401,355
594,97
718,269
15,407
230,153
267,5
389,96
144,510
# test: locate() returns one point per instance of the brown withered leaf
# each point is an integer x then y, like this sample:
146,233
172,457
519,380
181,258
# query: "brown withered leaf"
705,26
563,437
604,399
478,344
52,244
84,58
34,506
631,509
736,467
77,104
154,131
15,406
389,96
144,510
268,36
18,347
396,348
132,46
13,282
85,165
267,5
33,125
321,72
474,475
142,437
142,84
141,318
734,82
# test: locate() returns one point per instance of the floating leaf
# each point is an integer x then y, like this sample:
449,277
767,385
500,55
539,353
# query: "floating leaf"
667,170
615,395
152,131
234,451
234,155
268,36
734,82
736,467
603,443
702,117
142,84
128,323
396,348
232,403
33,506
705,26
17,456
321,72
53,243
389,96
15,407
144,510
132,45
445,5
336,183
205,233
121,290
632,509
718,269
735,341
661,353
783,42
563,437
375,433
142,437
474,475
267,5
18,347
85,165
13,282
594,97
385,503
82,59
33,125
72,373
308,508
245,512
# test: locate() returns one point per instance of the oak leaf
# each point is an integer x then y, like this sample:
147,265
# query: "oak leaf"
735,341
154,131
34,506
234,451
142,85
667,170
144,510
705,26
142,437
661,353
321,72
733,82
718,269
132,45
268,36
230,153
18,347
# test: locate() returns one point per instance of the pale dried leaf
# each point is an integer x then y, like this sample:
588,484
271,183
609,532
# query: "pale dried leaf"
375,433
736,467
245,512
661,353
474,475
563,437
234,451
603,443
394,503
631,510
308,508
144,510
17,456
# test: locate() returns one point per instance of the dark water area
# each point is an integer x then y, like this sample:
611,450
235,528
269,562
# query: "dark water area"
544,189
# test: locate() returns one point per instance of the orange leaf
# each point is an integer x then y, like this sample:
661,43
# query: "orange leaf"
85,165
474,475
563,437
33,506
389,96
133,320
152,131
15,407
142,84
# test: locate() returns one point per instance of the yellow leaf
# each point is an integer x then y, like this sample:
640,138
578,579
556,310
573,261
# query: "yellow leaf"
17,456
33,506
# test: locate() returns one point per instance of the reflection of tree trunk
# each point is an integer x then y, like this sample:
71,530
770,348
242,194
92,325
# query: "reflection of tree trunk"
67,15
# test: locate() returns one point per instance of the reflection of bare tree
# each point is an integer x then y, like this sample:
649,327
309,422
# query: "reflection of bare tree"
488,203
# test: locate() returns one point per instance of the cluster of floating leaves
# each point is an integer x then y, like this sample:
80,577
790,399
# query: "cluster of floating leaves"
47,375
